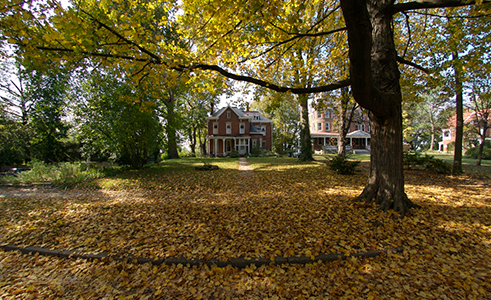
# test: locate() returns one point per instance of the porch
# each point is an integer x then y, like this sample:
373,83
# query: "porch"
223,145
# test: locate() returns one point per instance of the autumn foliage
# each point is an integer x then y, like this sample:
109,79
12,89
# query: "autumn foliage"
281,208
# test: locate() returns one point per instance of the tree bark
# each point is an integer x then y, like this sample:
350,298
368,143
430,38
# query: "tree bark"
305,139
459,129
375,84
171,127
481,149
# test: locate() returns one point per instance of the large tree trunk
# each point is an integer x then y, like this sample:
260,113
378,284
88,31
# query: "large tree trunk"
305,139
343,127
459,130
171,127
375,85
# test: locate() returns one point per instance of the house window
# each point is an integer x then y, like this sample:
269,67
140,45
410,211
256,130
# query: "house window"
319,126
254,143
357,127
263,128
319,115
327,126
215,128
228,115
327,114
264,144
362,127
242,128
256,117
229,128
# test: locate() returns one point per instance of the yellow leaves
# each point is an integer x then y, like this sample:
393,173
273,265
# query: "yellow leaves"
288,210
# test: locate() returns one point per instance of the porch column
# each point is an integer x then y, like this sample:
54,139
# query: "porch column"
224,149
351,143
216,146
366,143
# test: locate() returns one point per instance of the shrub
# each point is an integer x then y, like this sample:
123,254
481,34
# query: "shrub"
341,165
429,162
233,154
64,174
486,152
255,152
186,153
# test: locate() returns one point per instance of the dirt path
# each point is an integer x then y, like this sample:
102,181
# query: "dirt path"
246,179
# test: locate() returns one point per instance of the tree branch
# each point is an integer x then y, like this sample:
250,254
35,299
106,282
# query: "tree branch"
274,87
432,4
129,42
410,63
98,54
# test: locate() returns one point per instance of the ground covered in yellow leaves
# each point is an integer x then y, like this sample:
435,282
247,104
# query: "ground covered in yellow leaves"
282,209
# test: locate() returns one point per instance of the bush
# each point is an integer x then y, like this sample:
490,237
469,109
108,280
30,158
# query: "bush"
233,154
429,162
341,165
255,152
186,153
64,174
486,152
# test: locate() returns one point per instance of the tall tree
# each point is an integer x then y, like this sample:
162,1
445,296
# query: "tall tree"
424,119
285,115
115,119
48,91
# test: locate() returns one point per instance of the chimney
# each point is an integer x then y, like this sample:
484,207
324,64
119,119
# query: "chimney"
247,106
212,108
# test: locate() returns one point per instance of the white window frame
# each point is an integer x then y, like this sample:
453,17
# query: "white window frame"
327,126
228,115
357,127
228,128
241,128
319,115
319,126
215,128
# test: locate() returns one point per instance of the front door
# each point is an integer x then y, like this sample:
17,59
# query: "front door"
228,146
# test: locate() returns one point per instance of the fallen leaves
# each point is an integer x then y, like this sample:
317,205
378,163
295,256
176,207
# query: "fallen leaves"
287,210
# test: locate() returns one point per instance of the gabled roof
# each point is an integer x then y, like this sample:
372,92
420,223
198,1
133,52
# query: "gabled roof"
358,134
219,112
257,117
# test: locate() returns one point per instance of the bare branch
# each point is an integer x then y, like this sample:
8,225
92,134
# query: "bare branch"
432,4
414,65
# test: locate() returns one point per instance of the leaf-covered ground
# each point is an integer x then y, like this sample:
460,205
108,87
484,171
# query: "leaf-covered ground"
283,209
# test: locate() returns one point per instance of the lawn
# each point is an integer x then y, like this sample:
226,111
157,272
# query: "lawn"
284,209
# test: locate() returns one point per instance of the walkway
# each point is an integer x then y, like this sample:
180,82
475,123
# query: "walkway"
246,177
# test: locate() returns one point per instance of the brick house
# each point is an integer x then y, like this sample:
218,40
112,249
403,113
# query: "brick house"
449,134
324,131
231,128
